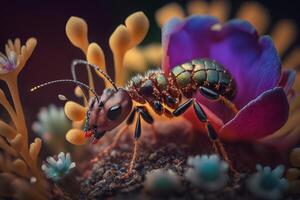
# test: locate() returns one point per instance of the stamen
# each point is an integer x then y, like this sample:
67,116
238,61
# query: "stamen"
220,10
168,12
256,14
293,59
284,34
198,7
76,30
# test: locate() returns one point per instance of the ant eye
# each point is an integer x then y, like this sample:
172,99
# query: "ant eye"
114,112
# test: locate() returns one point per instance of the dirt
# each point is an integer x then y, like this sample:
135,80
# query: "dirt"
104,179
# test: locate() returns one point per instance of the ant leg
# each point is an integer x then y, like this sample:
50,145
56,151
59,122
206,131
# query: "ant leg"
212,134
228,104
118,136
115,142
148,118
208,93
154,139
137,135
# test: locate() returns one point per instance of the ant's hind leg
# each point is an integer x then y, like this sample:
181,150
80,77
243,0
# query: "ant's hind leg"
212,134
210,94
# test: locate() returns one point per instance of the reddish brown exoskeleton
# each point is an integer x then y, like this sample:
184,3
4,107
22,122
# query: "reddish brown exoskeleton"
162,92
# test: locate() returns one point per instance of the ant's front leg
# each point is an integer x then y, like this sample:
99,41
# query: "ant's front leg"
212,134
118,137
141,112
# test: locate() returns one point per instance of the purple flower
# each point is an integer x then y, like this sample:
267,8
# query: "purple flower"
252,61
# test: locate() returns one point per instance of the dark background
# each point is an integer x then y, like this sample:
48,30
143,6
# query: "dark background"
45,20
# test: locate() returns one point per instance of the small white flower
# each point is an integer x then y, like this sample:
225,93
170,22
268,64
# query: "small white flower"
207,172
161,181
56,169
9,62
52,122
267,184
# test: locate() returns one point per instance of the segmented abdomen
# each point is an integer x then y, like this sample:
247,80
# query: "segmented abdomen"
157,88
204,72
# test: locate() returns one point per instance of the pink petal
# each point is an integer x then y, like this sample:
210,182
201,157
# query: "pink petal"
259,118
287,79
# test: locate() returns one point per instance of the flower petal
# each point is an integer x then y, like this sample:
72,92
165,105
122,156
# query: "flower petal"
261,117
252,61
183,41
287,79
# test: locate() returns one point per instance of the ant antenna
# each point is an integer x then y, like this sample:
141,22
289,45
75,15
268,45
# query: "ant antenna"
64,81
79,61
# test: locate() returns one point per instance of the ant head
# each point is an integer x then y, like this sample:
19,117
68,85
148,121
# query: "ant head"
105,112
109,112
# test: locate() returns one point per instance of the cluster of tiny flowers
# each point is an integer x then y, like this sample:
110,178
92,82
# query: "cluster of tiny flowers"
207,172
161,181
57,169
266,183
8,63
52,122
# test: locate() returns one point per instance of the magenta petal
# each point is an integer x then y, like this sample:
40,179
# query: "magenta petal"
187,40
259,118
287,79
252,61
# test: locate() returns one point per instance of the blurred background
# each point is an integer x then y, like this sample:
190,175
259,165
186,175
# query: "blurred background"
45,20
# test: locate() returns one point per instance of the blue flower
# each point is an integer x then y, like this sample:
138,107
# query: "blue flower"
207,172
57,169
161,181
267,184
52,123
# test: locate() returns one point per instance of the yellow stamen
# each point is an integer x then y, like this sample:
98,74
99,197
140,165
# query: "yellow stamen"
284,34
293,59
198,7
256,14
76,137
96,56
137,25
168,12
20,168
153,54
76,30
135,61
119,43
220,10
74,111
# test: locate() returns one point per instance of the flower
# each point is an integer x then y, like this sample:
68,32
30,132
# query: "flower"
267,184
8,63
52,123
57,169
207,172
161,181
283,32
16,56
293,173
252,61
